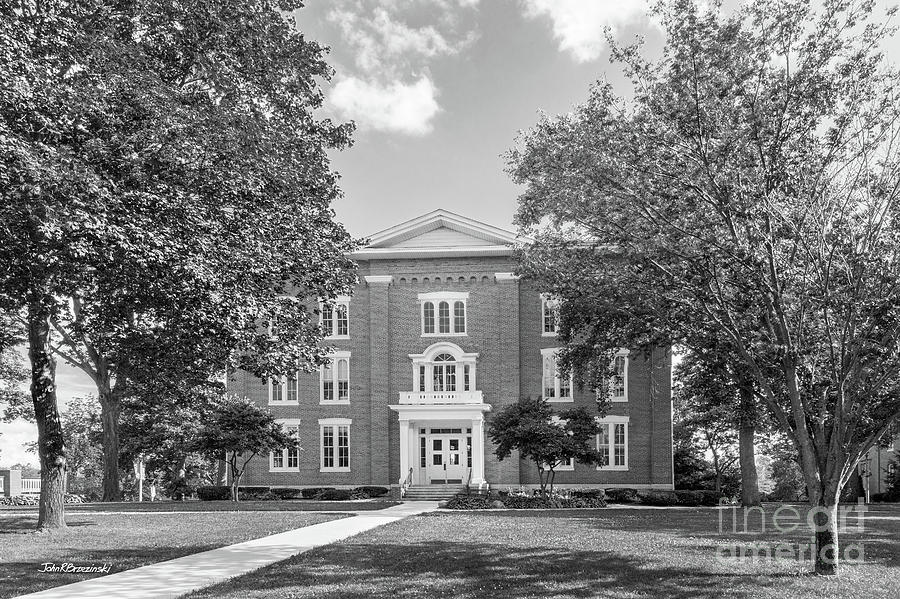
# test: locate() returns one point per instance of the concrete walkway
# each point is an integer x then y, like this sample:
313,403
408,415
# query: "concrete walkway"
185,574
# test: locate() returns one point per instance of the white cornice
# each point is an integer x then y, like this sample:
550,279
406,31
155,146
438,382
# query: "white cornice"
506,276
439,252
370,279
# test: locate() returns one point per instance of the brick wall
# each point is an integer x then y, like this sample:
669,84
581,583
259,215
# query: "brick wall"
504,329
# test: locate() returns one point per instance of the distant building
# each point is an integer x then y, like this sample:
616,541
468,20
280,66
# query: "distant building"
877,464
438,335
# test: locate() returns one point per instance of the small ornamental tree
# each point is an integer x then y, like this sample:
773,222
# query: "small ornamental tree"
547,439
237,431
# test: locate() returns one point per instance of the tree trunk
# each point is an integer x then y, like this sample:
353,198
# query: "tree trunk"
747,451
235,481
110,409
826,529
51,448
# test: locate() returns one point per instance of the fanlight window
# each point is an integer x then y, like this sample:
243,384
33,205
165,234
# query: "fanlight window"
444,373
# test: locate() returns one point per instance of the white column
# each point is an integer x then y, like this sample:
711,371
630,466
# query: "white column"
404,450
478,451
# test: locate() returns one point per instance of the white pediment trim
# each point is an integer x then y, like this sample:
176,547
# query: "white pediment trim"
487,234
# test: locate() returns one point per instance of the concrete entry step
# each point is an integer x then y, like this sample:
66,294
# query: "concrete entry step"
432,492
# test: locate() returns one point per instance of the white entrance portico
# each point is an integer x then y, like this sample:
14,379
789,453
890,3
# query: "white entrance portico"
442,420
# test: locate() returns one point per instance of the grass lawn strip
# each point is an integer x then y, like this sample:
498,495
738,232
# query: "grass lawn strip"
125,540
216,506
617,553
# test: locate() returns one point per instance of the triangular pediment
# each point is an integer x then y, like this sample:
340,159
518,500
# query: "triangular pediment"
441,229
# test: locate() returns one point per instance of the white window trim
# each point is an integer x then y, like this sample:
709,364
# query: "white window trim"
613,420
450,297
323,422
341,300
544,298
463,359
286,422
622,398
282,382
556,379
333,357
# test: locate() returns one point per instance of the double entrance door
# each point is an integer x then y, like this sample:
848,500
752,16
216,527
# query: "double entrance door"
447,455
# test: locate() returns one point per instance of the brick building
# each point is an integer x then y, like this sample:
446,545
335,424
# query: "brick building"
437,335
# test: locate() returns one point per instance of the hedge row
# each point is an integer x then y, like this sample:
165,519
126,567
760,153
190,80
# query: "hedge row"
587,498
33,499
221,493
480,502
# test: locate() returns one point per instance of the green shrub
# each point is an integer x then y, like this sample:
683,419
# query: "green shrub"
542,503
214,493
256,494
367,492
314,492
588,493
621,495
661,498
334,495
469,502
285,494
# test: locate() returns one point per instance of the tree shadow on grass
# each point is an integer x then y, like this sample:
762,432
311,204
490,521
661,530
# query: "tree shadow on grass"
469,569
28,524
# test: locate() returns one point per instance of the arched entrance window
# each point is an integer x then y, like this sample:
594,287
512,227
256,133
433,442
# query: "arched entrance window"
444,367
443,373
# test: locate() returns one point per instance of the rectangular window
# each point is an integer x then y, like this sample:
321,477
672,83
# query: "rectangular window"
466,379
556,387
328,319
292,389
423,461
443,313
276,390
335,318
289,457
619,445
342,328
619,382
612,443
421,378
335,379
344,447
549,315
335,444
444,317
459,317
328,447
428,318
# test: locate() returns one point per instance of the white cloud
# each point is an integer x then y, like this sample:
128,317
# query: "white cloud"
579,25
396,106
391,43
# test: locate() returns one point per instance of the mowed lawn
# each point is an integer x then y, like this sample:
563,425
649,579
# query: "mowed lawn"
299,505
124,540
614,552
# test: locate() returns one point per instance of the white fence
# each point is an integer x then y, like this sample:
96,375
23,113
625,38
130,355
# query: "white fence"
31,486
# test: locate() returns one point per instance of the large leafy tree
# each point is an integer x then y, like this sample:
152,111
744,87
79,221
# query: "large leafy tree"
750,186
166,199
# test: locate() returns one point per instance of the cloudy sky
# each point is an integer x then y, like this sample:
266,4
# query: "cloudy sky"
438,90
